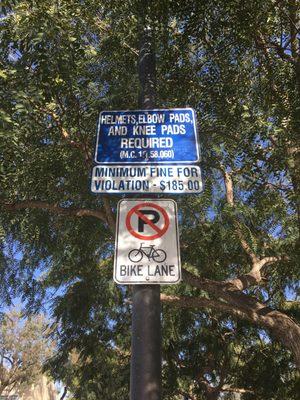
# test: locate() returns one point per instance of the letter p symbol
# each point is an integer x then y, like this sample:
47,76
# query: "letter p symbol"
142,222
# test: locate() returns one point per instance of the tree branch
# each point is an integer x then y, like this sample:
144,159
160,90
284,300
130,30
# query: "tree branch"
8,359
226,388
64,133
64,393
188,395
36,204
266,44
280,325
230,200
281,51
254,277
199,302
109,215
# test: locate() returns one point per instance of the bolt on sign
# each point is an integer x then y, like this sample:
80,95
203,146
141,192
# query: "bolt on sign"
147,243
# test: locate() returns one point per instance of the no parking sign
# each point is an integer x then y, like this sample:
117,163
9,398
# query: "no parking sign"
147,245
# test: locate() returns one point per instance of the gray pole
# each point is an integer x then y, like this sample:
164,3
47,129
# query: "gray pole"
145,378
145,374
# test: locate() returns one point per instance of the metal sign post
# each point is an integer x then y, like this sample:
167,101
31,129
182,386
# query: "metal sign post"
145,372
147,151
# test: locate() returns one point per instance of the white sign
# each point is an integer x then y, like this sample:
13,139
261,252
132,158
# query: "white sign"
146,179
147,243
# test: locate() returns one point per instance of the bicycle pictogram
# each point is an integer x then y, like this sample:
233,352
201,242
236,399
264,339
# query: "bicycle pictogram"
157,255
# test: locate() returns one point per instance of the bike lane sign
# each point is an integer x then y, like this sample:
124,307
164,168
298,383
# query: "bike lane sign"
147,243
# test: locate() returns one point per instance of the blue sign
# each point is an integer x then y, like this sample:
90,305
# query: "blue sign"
147,136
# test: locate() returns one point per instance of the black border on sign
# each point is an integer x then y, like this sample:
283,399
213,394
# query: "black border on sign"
116,246
149,162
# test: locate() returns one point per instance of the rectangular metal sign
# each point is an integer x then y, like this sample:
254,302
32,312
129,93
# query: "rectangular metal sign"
147,136
177,179
147,243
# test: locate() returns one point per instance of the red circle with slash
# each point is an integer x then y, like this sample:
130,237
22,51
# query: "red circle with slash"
136,211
